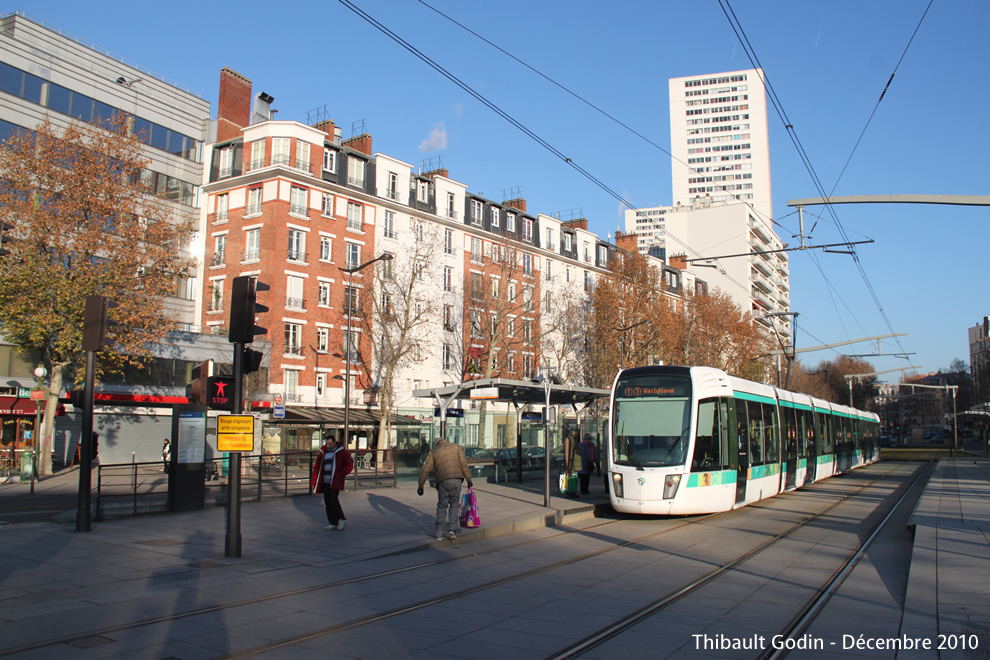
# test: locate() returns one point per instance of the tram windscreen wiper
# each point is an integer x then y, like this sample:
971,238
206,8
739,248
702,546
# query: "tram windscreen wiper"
631,455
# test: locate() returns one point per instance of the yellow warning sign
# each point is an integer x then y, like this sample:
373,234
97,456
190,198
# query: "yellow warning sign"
235,433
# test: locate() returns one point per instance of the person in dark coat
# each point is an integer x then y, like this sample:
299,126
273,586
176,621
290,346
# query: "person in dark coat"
330,471
166,455
588,460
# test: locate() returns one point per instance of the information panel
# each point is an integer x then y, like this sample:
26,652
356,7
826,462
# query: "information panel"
190,444
235,433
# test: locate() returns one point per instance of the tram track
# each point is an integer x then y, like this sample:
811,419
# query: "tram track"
593,641
573,651
109,630
797,624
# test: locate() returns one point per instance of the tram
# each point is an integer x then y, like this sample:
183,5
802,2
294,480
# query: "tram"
689,440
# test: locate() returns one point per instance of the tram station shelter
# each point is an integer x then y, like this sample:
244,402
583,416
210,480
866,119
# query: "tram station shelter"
520,393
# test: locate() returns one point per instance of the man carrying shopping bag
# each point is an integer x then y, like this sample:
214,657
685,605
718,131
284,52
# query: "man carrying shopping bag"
450,469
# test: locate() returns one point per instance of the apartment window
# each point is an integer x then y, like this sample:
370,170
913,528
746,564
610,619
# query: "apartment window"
476,250
321,383
254,201
291,384
297,245
495,288
389,224
587,252
355,171
324,295
549,244
352,341
280,151
226,162
587,281
216,296
386,305
527,331
448,357
386,266
512,327
528,264
510,221
293,340
476,287
448,241
451,209
423,191
448,278
257,154
448,318
222,202
329,160
528,299
326,208
494,217
354,213
475,323
527,227
353,255
352,301
252,244
297,201
326,248
419,229
548,269
219,250
392,186
477,208
293,292
568,245
494,324
527,365
510,363
512,292
302,155
602,255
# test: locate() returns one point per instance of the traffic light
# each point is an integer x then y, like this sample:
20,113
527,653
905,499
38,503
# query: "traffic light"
4,238
243,308
95,323
252,360
220,393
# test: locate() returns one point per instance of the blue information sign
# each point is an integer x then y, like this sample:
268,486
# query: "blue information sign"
278,412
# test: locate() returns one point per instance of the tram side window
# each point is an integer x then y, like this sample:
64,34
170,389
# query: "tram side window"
771,433
788,429
807,433
756,433
710,436
824,422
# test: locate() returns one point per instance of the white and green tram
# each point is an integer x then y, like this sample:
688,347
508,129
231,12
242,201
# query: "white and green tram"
686,440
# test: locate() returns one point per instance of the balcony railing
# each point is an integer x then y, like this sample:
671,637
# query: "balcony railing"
293,350
294,303
452,214
218,259
389,233
448,249
220,217
250,255
392,194
298,209
355,181
256,164
295,255
253,209
226,172
354,224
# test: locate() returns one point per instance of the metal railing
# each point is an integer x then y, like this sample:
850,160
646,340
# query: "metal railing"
129,489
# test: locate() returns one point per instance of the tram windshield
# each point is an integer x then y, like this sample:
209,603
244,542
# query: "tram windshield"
651,417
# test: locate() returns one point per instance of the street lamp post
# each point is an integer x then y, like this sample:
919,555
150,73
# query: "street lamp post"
349,294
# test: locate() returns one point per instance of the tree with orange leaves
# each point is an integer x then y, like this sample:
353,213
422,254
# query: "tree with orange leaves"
84,223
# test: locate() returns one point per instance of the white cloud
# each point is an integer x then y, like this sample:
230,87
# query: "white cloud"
436,140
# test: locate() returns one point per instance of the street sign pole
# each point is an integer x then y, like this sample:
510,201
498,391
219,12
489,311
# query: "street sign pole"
232,545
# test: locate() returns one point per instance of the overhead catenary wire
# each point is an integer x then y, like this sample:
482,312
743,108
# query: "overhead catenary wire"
805,159
509,118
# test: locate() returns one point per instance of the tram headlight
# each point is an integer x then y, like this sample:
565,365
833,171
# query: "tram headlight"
670,485
617,484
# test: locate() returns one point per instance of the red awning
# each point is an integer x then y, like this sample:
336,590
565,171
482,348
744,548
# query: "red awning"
11,405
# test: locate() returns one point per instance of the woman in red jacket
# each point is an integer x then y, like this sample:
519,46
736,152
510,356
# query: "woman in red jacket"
329,472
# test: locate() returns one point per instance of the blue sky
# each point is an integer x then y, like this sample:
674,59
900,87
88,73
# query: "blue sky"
827,61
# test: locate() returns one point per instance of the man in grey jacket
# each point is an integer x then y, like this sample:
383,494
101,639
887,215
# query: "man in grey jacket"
450,469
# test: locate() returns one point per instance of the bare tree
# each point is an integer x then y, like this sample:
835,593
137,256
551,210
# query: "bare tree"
85,222
405,306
